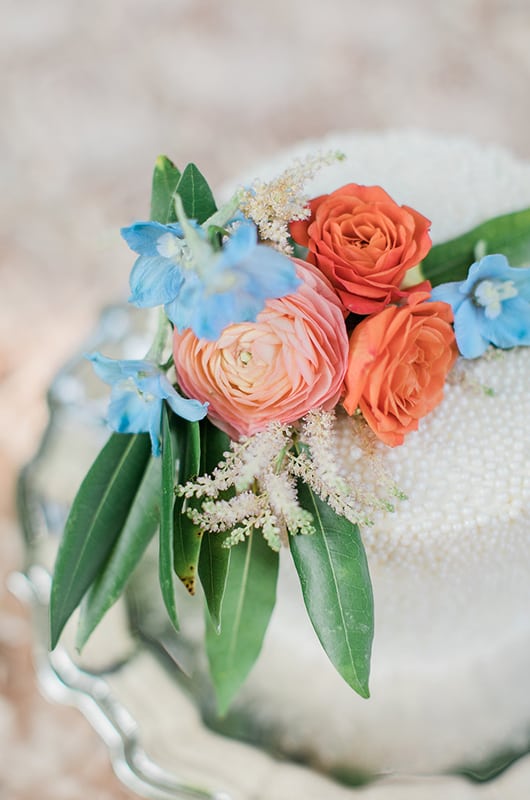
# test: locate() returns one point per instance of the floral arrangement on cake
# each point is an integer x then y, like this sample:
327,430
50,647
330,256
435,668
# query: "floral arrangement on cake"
278,315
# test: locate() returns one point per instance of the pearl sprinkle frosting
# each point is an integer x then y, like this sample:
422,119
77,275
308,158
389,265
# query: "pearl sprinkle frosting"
466,471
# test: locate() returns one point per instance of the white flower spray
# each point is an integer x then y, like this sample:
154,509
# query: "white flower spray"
254,487
273,204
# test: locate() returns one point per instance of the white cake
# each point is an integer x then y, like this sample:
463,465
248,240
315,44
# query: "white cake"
450,568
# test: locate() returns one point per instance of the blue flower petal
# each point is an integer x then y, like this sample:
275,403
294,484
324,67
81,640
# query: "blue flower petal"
243,240
209,321
468,333
139,389
107,369
512,327
143,237
207,314
491,306
521,279
129,413
212,289
112,370
235,287
192,410
180,309
269,273
450,293
154,281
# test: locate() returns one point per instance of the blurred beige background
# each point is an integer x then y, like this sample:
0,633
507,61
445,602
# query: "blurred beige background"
90,94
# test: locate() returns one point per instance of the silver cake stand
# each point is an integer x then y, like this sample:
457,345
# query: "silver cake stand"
124,684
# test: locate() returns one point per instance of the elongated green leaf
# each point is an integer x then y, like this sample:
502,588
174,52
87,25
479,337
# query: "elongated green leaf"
508,234
196,195
165,180
96,519
187,542
249,599
214,558
139,529
333,572
167,533
189,439
214,444
187,546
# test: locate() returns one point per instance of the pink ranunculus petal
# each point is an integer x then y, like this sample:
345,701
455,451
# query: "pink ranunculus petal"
292,359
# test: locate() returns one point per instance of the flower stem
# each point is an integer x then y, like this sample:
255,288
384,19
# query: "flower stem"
156,351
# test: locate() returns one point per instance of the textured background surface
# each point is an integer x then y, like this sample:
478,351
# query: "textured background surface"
90,94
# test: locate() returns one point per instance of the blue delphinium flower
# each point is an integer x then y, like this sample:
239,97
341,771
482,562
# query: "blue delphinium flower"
139,389
157,274
201,287
492,306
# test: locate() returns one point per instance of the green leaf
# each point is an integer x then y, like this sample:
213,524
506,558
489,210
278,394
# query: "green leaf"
97,516
187,546
139,529
189,439
214,559
299,251
249,599
333,571
187,541
165,180
196,195
508,234
170,454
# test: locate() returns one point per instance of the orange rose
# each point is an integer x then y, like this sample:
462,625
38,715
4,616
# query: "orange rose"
292,359
364,242
398,362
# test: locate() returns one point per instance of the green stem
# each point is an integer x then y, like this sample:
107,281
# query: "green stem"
281,457
156,351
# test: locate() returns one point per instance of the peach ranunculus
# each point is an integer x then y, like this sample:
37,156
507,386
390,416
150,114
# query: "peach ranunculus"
398,362
292,359
364,243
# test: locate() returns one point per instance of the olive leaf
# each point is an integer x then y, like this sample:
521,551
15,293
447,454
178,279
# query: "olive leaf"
98,514
140,527
196,195
165,180
333,571
508,234
214,558
249,599
187,535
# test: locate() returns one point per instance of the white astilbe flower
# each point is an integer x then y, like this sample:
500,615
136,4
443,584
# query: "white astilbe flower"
280,488
240,515
273,204
318,466
244,470
222,515
260,473
242,464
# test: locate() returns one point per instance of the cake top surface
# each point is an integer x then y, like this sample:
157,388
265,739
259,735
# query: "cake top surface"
454,181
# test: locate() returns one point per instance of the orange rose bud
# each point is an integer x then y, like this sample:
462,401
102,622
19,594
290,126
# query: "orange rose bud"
364,242
397,365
